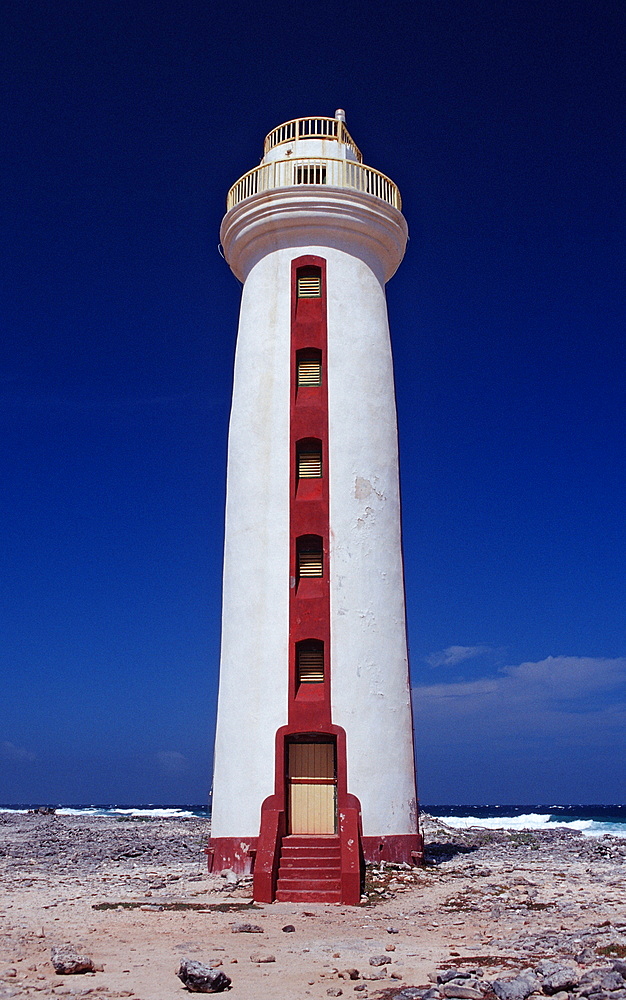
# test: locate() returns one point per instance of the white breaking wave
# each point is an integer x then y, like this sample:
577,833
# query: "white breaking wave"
148,813
534,821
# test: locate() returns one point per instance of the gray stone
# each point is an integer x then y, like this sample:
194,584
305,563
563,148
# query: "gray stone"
516,989
456,989
409,993
289,929
585,956
262,958
67,961
199,978
548,967
380,960
600,981
247,929
564,980
448,974
375,975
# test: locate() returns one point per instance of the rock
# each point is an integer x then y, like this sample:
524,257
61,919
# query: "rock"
229,875
620,966
199,978
516,989
547,967
334,991
600,980
559,982
392,930
262,958
585,956
456,989
556,977
247,929
380,960
10,974
68,962
289,929
448,974
390,947
409,993
349,974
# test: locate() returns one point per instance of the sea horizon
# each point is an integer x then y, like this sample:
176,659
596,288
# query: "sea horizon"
594,820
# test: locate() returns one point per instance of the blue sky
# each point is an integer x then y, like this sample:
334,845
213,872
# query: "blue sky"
503,124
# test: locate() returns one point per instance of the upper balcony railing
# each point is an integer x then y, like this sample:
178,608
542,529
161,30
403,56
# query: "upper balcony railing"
312,128
334,173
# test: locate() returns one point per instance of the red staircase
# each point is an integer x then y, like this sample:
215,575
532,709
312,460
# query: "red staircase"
309,869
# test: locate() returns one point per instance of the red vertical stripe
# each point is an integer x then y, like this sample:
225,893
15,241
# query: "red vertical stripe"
309,603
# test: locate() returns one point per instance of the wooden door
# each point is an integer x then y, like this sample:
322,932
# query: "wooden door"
312,788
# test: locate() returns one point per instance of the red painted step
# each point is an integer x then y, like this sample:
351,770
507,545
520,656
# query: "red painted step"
309,870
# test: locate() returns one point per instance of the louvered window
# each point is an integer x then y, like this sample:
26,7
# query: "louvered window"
309,369
309,286
310,662
310,564
310,173
309,465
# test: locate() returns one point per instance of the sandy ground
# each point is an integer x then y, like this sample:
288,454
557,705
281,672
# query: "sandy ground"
136,897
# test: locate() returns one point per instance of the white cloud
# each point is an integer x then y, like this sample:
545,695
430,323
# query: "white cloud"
456,654
171,761
575,697
10,752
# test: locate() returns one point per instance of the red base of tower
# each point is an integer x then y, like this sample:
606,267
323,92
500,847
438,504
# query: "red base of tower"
309,869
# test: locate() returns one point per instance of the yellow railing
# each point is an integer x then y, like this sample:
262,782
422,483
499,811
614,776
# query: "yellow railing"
333,173
312,128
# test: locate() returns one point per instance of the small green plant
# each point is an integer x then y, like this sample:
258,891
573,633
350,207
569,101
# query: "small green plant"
613,951
523,839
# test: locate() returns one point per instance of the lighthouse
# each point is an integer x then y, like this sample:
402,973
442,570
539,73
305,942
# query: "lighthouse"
314,762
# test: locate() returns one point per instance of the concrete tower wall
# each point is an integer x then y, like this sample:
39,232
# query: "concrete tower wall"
369,670
370,689
255,615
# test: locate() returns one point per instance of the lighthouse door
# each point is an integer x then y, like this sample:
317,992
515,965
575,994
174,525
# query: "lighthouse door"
312,788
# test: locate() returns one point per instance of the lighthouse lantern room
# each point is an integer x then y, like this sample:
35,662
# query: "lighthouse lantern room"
314,763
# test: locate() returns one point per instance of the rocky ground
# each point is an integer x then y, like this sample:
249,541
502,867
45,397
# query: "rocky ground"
493,914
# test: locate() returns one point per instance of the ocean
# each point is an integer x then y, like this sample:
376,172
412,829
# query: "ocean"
590,820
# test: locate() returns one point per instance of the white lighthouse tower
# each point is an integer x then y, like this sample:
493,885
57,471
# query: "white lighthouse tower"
314,764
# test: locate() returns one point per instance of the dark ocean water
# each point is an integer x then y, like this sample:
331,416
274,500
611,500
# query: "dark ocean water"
592,820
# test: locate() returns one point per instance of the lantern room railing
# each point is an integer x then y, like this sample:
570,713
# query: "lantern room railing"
334,173
312,128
